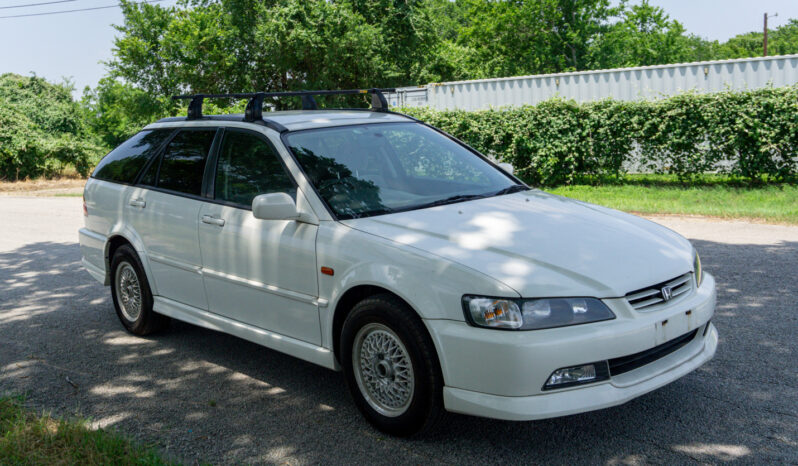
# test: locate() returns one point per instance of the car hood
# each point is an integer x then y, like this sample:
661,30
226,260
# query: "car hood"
542,245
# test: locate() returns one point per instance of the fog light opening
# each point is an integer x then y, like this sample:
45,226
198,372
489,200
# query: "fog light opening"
578,375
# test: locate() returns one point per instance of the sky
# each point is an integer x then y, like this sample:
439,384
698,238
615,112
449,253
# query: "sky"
74,45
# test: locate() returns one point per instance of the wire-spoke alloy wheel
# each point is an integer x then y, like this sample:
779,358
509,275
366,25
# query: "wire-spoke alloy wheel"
131,294
383,370
391,367
128,291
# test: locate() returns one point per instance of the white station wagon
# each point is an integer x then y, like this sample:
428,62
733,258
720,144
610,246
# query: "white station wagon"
366,241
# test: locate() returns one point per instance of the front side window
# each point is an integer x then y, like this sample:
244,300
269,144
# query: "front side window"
248,166
374,169
123,163
183,162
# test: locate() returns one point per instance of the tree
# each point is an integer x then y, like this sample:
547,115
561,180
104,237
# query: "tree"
781,41
644,35
116,111
247,45
41,129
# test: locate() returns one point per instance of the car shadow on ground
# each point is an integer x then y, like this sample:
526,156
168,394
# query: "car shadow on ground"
202,395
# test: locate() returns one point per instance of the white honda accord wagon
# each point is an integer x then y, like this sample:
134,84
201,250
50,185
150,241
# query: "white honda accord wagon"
369,242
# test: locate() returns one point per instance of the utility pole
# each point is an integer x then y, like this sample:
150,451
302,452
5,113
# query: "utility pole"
765,39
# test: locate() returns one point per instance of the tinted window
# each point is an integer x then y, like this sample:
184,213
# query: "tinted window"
123,163
183,161
248,166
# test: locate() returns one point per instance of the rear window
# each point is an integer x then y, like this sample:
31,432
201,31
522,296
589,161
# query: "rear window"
122,164
183,161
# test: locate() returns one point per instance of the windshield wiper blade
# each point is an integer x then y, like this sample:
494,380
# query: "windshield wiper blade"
511,189
454,199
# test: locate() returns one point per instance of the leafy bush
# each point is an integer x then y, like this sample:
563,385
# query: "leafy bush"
41,130
752,135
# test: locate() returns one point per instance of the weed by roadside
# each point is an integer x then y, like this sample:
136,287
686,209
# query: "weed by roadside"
29,439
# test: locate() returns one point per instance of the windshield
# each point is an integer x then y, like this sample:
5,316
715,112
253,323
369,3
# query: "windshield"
374,169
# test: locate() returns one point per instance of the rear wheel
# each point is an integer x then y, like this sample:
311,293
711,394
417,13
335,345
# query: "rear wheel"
391,366
131,294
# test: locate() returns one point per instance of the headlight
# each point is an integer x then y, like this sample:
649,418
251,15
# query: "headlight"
699,272
533,314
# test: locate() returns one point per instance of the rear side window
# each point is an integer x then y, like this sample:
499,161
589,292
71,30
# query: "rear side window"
122,164
183,162
248,166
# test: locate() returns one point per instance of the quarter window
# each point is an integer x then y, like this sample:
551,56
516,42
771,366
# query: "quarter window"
123,163
248,166
183,161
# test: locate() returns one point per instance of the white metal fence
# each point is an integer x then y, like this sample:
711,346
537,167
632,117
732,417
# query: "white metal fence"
645,82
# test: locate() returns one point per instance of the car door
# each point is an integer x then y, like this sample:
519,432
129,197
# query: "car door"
164,210
258,272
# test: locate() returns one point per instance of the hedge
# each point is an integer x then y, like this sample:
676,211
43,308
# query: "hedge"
749,134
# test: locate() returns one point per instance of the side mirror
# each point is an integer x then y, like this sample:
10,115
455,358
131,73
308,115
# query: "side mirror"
274,206
508,167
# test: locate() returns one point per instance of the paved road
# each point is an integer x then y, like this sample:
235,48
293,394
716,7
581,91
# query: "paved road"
201,395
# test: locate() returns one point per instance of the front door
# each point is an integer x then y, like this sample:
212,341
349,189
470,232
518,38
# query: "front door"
258,272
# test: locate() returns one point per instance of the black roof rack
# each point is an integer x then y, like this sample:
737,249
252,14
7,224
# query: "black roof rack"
254,109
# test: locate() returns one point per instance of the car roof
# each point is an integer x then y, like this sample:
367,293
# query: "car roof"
295,120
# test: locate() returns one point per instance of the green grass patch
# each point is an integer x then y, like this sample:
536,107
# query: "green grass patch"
28,439
714,196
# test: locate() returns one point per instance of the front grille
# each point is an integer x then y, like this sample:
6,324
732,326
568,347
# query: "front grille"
633,361
652,298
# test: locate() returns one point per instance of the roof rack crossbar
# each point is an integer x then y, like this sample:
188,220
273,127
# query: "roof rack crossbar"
254,109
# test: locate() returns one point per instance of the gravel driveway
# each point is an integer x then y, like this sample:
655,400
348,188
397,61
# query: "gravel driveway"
201,395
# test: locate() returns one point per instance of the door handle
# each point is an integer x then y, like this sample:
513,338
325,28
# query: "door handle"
213,220
138,203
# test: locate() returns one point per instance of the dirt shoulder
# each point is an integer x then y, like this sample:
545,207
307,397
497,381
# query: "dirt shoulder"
55,187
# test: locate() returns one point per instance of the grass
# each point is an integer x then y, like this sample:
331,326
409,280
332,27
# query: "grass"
713,196
28,439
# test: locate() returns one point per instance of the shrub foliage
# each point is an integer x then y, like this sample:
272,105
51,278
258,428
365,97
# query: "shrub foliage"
751,134
42,130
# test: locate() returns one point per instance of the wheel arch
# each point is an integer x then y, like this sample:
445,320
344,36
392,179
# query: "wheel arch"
347,302
117,239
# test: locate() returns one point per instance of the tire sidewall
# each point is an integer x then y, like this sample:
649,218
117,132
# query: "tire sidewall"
417,414
126,254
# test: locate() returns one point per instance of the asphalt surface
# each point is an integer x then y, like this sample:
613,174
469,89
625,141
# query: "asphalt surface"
198,395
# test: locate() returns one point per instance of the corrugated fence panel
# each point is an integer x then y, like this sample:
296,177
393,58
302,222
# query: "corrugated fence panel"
648,82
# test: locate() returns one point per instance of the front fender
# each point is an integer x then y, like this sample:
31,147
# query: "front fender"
431,285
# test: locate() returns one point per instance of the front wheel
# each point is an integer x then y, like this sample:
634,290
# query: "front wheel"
391,366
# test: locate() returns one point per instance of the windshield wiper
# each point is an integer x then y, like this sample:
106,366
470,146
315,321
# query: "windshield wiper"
511,189
454,199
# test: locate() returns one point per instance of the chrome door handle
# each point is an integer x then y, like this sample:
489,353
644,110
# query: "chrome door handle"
138,203
213,220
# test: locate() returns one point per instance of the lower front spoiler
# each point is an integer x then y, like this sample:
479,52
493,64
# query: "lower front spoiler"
616,391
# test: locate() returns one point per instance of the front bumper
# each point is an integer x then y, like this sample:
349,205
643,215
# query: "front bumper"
616,391
500,374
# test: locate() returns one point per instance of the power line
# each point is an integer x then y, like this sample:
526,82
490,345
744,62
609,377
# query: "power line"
34,4
73,11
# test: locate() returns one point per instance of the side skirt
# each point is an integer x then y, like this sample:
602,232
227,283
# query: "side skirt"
275,341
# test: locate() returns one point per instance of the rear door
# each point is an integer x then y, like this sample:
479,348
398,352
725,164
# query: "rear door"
164,210
259,272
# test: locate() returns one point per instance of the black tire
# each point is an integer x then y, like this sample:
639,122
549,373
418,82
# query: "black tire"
425,406
145,321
